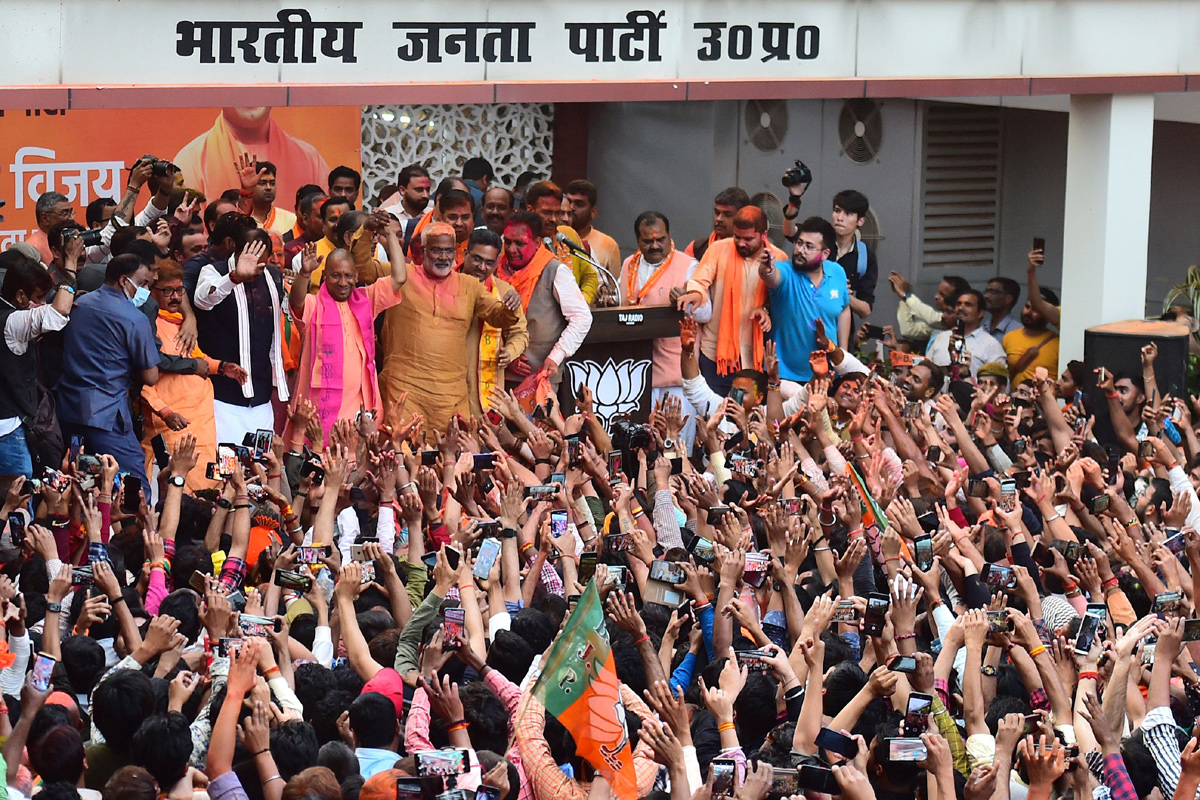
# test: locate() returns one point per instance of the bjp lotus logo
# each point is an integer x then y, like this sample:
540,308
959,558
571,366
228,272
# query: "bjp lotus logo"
616,387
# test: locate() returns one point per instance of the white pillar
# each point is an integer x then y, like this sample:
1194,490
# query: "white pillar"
1107,214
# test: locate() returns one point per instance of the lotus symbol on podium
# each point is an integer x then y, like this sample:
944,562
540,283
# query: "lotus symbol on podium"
617,387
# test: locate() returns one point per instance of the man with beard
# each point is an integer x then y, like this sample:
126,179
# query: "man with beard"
555,309
497,205
725,205
813,287
312,227
917,320
424,338
413,197
1034,344
728,278
181,403
262,202
968,338
337,361
546,200
490,349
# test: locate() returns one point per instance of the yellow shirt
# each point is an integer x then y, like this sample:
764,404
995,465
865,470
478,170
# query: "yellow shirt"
1017,342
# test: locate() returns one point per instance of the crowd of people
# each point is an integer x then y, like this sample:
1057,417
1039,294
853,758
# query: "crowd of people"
295,508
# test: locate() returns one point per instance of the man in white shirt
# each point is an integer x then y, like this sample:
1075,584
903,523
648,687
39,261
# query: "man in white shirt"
979,346
413,197
917,320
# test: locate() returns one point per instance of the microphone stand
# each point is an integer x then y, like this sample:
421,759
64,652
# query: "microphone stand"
578,253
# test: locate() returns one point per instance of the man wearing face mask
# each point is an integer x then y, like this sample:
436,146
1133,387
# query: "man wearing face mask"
337,362
426,334
109,345
24,316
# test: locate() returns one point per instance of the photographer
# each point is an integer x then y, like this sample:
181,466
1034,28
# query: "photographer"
160,176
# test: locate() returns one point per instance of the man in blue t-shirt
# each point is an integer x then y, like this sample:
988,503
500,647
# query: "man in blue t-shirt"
813,287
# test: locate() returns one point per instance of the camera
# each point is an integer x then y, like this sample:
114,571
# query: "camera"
89,238
628,435
161,169
799,174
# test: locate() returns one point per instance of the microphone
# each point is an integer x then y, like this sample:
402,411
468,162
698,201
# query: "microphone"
581,253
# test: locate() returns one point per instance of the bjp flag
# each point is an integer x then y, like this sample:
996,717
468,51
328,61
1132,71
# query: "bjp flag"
579,686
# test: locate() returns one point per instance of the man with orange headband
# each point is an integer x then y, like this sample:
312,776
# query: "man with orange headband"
728,278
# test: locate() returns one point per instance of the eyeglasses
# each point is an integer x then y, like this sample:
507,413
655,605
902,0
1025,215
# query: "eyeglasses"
445,252
170,292
809,247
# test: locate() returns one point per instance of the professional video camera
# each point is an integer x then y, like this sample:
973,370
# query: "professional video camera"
162,168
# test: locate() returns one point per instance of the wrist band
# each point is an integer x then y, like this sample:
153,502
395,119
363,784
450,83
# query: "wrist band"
1037,651
241,505
934,604
526,546
454,728
267,672
645,638
1111,395
1172,465
273,477
1132,522
1093,675
892,558
260,752
774,387
1070,587
725,726
903,636
1111,583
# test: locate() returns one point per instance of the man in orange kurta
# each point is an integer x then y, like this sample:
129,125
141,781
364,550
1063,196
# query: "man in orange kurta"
181,404
424,339
337,363
209,162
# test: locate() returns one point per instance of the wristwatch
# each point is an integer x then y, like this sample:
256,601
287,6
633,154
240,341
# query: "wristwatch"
54,608
223,503
178,481
668,444
988,670
508,533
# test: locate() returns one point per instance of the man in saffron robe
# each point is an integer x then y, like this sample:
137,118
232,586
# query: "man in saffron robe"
728,277
425,337
337,361
210,161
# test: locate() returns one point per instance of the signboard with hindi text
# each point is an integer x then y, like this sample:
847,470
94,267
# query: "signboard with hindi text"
86,154
245,42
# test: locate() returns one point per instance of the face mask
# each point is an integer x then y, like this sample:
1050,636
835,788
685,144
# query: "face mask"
140,296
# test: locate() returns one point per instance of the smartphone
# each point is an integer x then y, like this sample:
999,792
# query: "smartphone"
263,440
845,746
541,492
1087,634
618,542
757,565
715,513
724,773
455,625
906,749
81,576
161,456
313,468
198,583
1191,630
998,576
557,477
676,466
618,576
999,622
408,789
254,625
484,461
495,417
43,669
16,529
587,567
916,717
845,611
227,647
429,458
489,549
288,579
574,449
131,498
485,792
877,606
873,331
1039,243
737,395
1099,504
615,468
702,549
1166,603
314,553
1174,541
784,782
905,664
452,761
667,571
817,779
923,552
558,523
1042,555
977,488
1146,450
934,454
1008,494
452,557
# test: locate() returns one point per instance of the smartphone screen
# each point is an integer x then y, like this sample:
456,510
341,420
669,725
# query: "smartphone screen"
923,547
442,762
452,557
488,550
161,456
43,669
558,523
920,706
587,567
667,571
877,606
1087,634
817,779
907,749
455,622
977,488
724,772
263,439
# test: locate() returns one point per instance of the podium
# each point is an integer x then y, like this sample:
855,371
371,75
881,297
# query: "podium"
614,361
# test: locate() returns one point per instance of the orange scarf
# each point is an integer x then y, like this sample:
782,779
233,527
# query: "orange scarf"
634,297
729,334
523,280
